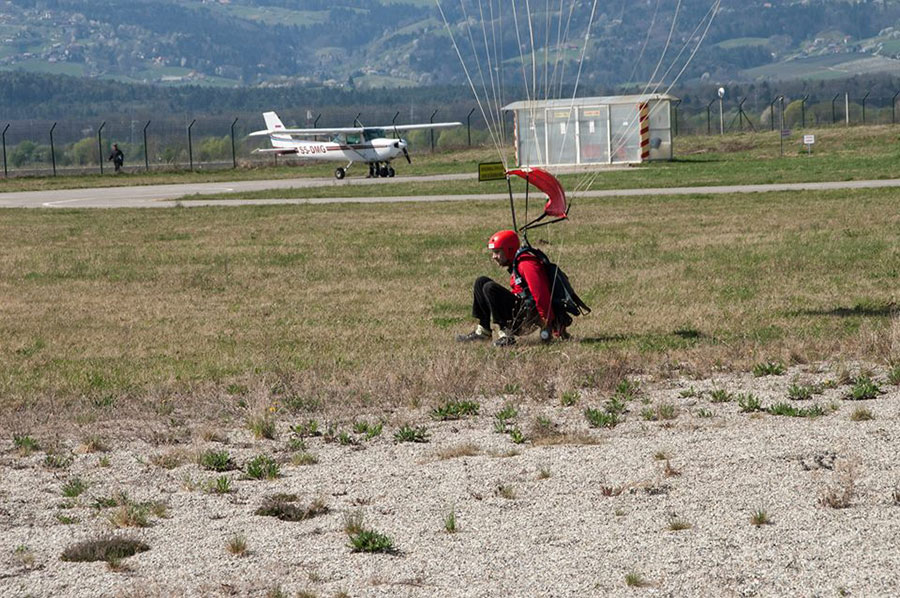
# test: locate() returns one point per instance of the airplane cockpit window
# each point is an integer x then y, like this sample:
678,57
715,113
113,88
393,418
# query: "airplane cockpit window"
338,138
353,138
370,134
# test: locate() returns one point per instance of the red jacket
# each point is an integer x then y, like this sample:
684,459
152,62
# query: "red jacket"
537,281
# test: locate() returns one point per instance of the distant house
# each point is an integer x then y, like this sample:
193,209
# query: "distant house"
599,130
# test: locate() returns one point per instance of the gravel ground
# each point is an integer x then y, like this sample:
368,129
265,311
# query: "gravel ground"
571,511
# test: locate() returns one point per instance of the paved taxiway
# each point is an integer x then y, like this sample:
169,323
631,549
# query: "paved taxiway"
166,196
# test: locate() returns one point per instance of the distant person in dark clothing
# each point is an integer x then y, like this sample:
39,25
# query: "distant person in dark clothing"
117,157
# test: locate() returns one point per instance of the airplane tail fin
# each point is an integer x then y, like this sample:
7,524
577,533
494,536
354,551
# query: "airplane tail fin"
274,124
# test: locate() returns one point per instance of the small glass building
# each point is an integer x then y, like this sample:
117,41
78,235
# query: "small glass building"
601,130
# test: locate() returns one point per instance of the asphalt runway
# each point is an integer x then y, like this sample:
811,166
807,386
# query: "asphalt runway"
167,196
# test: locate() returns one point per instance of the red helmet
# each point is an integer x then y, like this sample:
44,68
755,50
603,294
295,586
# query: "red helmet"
506,240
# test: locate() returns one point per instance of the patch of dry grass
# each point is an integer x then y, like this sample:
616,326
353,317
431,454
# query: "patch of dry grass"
118,311
466,449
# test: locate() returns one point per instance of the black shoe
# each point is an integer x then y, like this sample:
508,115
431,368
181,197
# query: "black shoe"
472,336
505,341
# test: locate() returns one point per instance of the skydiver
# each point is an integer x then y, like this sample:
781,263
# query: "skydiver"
527,307
117,157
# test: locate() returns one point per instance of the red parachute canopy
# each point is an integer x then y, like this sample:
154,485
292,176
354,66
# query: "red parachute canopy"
546,182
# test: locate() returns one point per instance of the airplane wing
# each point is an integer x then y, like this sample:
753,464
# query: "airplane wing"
419,126
351,130
275,150
308,132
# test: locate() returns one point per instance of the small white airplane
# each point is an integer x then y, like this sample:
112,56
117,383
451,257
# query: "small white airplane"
351,144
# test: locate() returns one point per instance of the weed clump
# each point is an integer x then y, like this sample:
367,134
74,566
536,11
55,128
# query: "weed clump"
864,389
262,467
285,508
455,410
768,368
216,461
109,549
408,433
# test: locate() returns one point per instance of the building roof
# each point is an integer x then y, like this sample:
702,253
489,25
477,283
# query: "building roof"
595,101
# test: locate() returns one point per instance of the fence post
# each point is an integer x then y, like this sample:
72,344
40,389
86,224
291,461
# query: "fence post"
5,171
52,149
146,158
190,146
233,155
864,105
432,129
708,121
781,132
469,126
356,122
772,113
394,124
100,144
833,100
803,111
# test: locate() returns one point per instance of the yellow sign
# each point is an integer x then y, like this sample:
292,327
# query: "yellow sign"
491,171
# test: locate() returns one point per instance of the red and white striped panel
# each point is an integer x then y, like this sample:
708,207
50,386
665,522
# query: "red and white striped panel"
644,120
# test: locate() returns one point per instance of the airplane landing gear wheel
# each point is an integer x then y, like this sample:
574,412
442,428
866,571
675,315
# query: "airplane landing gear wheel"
383,172
391,171
339,173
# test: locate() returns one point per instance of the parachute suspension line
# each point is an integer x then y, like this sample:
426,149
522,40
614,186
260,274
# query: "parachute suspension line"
646,40
469,79
713,11
494,107
587,38
475,52
665,49
710,15
531,107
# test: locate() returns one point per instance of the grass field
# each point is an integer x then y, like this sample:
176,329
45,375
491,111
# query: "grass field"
355,306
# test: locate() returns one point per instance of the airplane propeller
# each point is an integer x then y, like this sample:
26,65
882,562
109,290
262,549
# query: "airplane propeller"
401,144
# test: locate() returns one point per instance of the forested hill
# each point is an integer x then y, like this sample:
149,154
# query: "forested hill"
387,43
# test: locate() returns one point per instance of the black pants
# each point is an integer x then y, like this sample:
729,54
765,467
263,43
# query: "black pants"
494,301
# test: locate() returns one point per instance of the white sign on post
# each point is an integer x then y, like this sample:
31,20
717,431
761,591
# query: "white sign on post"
809,139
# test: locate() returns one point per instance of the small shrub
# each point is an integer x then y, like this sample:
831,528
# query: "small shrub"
276,592
661,411
516,436
130,515
702,412
94,444
220,485
688,393
842,491
344,439
599,418
466,449
748,403
799,392
368,540
237,545
455,410
861,414
57,461
284,508
760,517
677,524
450,522
506,491
628,389
544,472
262,426
308,429
216,461
103,461
616,405
74,487
789,410
508,412
720,395
104,549
864,389
611,490
25,445
353,523
262,467
370,431
304,458
768,368
894,375
633,579
408,433
569,398
169,459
